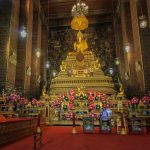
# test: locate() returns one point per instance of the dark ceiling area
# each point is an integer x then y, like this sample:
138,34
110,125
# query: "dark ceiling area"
58,12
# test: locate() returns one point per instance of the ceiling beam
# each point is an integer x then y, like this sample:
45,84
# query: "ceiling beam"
59,2
68,14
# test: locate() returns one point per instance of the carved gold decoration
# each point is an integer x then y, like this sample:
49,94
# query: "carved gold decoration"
79,23
13,58
39,79
63,66
138,66
28,71
87,73
126,76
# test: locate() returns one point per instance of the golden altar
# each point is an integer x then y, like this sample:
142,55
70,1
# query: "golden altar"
81,69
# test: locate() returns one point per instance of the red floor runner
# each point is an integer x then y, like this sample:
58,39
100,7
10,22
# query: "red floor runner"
60,138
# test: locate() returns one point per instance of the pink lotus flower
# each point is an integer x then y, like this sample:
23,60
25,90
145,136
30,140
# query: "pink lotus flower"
93,115
40,103
134,100
24,101
91,98
72,92
56,103
71,98
146,100
14,98
70,106
90,92
91,107
98,94
34,101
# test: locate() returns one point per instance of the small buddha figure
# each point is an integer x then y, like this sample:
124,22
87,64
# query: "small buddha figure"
96,64
81,44
44,91
63,66
91,71
120,94
121,89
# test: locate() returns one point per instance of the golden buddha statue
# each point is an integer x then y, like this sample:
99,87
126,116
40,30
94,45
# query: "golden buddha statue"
63,66
120,94
121,90
96,64
44,91
81,44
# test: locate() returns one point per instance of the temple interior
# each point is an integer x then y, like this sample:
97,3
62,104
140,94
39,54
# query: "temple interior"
71,67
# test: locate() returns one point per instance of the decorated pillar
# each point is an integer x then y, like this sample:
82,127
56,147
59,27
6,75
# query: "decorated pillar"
29,5
37,52
131,88
12,45
126,70
23,72
148,10
143,11
39,46
119,41
137,46
33,82
9,18
44,58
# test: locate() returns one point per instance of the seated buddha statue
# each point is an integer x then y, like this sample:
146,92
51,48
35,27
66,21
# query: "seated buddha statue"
81,44
63,66
96,64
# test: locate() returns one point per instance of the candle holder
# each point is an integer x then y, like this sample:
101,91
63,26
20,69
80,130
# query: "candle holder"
74,131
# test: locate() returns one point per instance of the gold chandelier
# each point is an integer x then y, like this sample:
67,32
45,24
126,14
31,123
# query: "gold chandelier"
79,9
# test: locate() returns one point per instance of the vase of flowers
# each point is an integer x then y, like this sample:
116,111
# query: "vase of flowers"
134,103
146,100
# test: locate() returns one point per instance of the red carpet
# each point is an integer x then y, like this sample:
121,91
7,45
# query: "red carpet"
60,138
